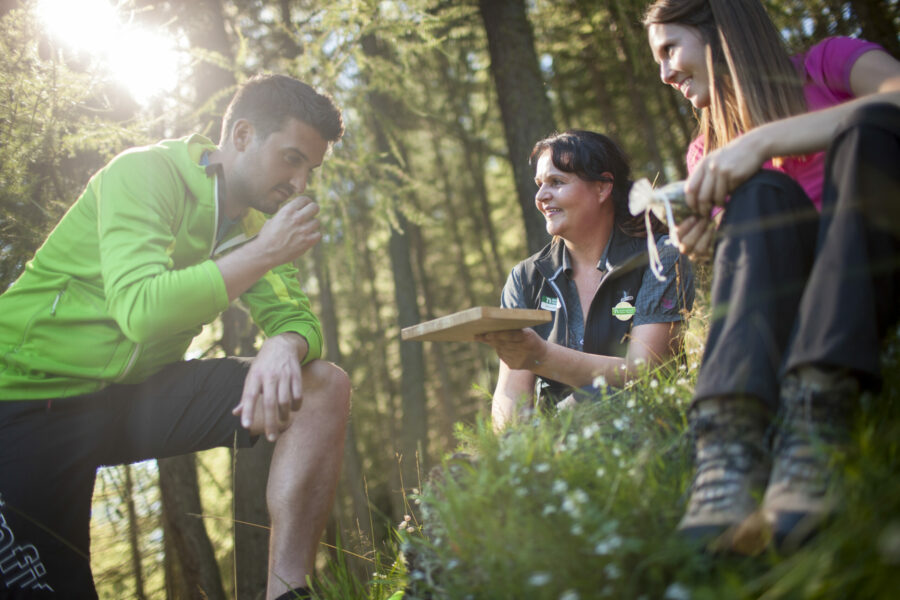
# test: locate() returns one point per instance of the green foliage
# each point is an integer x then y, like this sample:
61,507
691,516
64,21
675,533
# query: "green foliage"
387,581
584,505
54,136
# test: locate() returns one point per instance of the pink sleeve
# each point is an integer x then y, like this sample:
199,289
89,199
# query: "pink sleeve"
694,153
829,62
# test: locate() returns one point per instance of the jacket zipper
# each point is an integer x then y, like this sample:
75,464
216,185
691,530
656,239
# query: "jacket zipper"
56,301
215,235
131,360
562,302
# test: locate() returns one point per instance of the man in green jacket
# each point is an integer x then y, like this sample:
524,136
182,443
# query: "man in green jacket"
93,334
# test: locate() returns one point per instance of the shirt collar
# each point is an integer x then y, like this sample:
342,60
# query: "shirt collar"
602,264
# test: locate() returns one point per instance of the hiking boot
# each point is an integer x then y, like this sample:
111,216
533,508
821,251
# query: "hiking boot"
813,422
732,462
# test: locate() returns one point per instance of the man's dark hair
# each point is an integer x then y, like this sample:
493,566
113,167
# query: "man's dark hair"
268,101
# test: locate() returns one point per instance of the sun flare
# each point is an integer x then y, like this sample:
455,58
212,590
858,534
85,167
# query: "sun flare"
145,62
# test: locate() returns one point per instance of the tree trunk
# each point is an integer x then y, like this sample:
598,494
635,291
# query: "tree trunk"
619,30
523,104
251,515
213,83
251,474
352,475
133,533
413,422
448,410
477,207
878,19
180,493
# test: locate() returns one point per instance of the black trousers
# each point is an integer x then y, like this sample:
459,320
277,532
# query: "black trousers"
791,288
50,451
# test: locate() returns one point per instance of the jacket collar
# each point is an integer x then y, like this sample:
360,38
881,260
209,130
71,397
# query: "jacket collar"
623,253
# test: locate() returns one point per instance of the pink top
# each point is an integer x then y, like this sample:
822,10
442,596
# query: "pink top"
827,68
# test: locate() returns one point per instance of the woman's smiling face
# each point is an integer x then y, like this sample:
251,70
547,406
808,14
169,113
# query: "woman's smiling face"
681,54
569,203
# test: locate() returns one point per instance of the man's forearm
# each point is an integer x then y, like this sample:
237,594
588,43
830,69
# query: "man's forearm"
242,268
298,343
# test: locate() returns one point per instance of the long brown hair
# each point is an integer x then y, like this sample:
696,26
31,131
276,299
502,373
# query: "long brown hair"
752,78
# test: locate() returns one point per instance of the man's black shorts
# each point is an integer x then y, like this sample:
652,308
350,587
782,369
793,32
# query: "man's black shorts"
50,451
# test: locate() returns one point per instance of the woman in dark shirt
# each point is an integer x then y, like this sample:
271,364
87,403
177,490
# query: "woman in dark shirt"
610,313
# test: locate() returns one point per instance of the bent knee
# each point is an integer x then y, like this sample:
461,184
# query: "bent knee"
328,381
766,194
879,115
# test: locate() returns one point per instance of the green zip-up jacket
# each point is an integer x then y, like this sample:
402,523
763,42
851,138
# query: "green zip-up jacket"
127,279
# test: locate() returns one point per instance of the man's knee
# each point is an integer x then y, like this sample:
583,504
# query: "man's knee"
328,381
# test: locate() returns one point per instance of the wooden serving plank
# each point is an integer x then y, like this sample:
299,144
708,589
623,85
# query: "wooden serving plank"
462,326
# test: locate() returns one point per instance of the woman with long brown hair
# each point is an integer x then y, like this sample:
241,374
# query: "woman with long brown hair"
800,299
610,313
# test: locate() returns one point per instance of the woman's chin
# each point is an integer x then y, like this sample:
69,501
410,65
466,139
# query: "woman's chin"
554,228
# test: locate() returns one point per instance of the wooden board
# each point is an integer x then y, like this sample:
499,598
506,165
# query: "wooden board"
462,326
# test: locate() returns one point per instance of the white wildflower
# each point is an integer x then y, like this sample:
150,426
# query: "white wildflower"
612,571
682,381
599,382
560,487
580,496
541,467
549,510
654,384
677,591
577,529
608,545
538,579
569,595
601,473
669,391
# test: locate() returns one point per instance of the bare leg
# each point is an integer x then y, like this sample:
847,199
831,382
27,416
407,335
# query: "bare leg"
304,475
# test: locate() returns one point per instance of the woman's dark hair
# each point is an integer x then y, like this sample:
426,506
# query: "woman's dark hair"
595,157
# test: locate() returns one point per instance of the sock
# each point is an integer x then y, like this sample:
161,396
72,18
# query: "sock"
295,594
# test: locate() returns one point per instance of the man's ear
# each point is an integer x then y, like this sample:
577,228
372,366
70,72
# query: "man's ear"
242,133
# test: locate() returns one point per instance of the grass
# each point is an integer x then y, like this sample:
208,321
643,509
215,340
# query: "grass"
584,505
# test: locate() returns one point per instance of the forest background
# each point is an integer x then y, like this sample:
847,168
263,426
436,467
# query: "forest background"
427,203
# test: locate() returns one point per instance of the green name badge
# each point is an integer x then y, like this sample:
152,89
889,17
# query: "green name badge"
549,303
623,311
